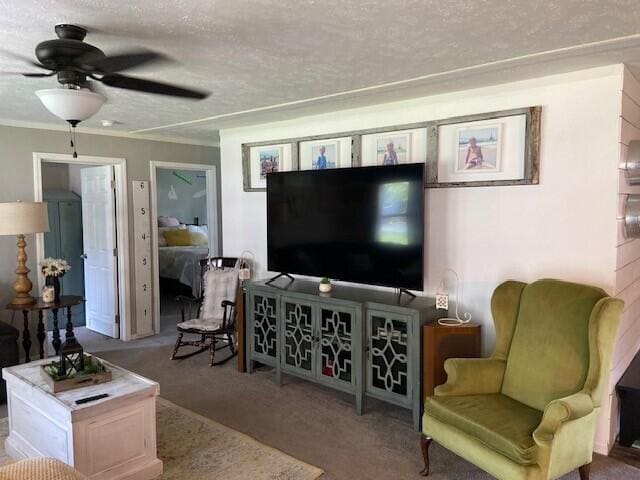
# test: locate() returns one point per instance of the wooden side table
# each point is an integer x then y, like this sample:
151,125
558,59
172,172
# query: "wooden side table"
66,301
440,342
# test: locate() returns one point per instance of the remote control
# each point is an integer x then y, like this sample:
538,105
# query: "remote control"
91,399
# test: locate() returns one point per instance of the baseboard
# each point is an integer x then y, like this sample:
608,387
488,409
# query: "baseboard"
601,448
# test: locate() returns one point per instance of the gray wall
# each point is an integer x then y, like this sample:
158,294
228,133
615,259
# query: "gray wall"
185,206
55,176
16,179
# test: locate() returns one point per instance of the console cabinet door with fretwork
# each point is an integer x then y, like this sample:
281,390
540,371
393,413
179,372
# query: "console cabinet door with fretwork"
263,328
340,345
389,356
298,337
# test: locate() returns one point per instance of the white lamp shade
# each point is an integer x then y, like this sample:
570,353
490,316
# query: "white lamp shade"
21,218
71,104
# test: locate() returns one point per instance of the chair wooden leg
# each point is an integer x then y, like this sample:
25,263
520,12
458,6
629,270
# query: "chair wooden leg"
231,341
584,471
212,350
177,346
425,442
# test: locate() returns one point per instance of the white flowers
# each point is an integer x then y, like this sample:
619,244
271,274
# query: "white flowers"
54,267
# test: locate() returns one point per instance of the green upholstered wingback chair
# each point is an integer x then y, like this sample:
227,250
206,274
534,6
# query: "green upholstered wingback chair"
530,410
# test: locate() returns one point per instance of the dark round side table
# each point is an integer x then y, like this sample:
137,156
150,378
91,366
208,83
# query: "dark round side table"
66,301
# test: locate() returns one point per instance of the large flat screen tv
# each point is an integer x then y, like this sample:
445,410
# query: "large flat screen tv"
362,225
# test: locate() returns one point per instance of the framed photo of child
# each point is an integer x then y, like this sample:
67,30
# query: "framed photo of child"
259,160
324,154
499,148
395,147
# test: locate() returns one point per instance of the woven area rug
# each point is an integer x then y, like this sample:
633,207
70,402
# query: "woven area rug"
197,448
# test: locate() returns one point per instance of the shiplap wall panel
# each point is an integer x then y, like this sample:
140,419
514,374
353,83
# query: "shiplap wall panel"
622,200
631,86
626,343
628,251
624,188
623,155
630,110
628,132
620,238
625,277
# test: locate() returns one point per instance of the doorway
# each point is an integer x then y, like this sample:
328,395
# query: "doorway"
185,219
88,219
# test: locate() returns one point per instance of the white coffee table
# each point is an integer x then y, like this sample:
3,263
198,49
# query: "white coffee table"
113,438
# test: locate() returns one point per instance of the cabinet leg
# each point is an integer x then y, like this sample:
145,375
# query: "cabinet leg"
416,419
359,402
278,377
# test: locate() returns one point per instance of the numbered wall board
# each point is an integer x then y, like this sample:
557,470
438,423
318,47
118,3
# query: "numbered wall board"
142,255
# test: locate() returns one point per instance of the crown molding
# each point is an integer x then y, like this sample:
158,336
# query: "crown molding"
113,133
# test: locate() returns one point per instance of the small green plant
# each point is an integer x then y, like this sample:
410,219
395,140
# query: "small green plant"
91,366
325,281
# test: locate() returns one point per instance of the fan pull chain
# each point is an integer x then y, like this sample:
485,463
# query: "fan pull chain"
72,139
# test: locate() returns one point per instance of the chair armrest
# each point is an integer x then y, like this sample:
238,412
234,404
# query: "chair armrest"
560,411
472,376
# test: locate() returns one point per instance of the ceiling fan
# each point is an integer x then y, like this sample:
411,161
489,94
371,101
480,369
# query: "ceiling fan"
79,65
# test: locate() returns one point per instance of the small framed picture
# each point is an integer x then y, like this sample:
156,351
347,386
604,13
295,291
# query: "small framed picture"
479,148
395,147
261,160
325,154
499,148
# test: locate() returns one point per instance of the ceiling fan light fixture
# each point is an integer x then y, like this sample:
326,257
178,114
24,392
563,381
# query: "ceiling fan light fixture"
71,105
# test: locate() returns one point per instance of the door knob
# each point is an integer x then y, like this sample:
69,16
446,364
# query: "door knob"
84,255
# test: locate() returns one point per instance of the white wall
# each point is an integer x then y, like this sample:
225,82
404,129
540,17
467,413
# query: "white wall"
565,227
561,228
189,201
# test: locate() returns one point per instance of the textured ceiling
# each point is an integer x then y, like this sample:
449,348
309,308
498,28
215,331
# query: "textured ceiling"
254,54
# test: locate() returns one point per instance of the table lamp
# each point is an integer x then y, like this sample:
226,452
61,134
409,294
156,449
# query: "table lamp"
22,218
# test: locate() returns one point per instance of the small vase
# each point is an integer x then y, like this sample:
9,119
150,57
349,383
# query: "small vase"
55,283
324,287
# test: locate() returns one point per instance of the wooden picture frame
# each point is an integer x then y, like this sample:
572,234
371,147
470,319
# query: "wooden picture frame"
530,151
343,151
287,148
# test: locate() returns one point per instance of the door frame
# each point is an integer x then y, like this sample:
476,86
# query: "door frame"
122,223
211,173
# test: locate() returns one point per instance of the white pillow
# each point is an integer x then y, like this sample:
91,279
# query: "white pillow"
199,229
219,285
164,221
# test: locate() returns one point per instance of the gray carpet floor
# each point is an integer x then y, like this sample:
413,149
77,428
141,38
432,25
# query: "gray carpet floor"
310,422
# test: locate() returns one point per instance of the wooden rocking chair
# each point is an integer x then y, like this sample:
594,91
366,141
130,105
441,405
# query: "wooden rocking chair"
215,333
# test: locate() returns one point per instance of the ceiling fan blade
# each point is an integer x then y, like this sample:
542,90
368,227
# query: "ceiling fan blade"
38,75
29,74
119,62
95,87
150,86
22,58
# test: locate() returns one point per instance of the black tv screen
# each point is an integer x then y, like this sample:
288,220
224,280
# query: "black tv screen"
362,225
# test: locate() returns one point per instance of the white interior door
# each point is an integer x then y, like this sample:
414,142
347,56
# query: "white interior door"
100,254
